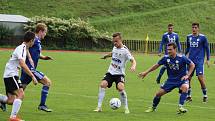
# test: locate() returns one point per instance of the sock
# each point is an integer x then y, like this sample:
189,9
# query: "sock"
204,91
3,98
15,108
189,92
182,98
156,101
44,94
123,98
101,96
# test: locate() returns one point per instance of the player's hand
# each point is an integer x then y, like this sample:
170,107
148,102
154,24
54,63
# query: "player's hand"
133,68
34,80
186,77
159,54
142,75
103,57
207,63
48,58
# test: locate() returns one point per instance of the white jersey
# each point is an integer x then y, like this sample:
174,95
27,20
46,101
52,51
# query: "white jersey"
119,58
12,66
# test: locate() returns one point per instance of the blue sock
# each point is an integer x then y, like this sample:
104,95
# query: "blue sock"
204,91
44,94
156,101
189,92
182,98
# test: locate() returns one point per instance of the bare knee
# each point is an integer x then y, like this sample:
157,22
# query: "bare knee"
104,84
120,86
184,88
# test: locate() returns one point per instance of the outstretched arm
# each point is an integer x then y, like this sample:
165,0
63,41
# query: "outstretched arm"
143,74
45,57
133,65
107,55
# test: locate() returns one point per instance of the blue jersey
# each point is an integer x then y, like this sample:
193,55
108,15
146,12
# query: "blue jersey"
196,47
35,51
176,67
167,38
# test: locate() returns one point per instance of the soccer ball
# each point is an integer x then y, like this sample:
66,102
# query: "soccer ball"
115,103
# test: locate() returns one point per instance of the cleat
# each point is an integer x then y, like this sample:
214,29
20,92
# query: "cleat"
44,108
182,110
3,106
127,111
98,110
150,109
205,99
15,119
189,99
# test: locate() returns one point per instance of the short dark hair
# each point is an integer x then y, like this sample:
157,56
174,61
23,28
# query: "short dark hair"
172,44
29,36
195,24
170,25
117,34
40,27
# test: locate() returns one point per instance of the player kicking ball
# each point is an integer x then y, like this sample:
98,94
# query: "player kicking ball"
116,72
177,76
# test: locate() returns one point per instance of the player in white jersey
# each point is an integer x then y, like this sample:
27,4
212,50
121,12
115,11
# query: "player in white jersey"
13,85
116,72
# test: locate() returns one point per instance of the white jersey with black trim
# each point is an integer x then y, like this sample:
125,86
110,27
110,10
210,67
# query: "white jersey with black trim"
119,58
12,67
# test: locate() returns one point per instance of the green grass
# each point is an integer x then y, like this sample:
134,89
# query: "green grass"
73,96
134,18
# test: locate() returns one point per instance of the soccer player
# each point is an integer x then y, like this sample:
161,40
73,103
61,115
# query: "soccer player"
197,45
35,52
13,85
177,76
167,37
116,72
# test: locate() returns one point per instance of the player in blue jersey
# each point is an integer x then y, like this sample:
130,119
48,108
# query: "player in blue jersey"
177,76
35,52
197,46
167,37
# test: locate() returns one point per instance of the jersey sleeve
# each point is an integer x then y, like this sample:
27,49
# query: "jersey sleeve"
162,43
178,44
188,46
162,61
128,55
206,47
19,52
186,60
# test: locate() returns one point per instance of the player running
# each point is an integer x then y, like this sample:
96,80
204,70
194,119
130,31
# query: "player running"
177,76
116,72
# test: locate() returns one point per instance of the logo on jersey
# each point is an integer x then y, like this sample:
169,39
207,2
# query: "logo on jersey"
173,66
171,39
194,44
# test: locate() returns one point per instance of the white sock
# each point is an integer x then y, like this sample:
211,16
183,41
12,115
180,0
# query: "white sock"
101,96
16,106
123,98
3,98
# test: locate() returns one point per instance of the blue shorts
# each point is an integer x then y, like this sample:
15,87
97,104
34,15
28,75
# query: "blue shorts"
26,79
199,67
168,86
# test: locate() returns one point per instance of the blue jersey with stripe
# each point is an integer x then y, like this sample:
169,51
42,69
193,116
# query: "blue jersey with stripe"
35,51
176,67
196,47
167,38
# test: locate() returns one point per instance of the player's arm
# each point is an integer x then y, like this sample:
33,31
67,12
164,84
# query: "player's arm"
143,74
133,64
27,70
161,45
30,58
107,55
45,57
178,45
188,46
191,68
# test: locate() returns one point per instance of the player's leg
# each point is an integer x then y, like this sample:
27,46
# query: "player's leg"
106,82
123,95
156,100
200,74
46,82
3,101
189,93
184,91
162,70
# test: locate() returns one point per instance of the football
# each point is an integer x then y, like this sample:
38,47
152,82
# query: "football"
115,103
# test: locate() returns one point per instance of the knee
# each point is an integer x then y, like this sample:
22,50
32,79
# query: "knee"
21,95
10,100
184,88
47,83
120,87
103,84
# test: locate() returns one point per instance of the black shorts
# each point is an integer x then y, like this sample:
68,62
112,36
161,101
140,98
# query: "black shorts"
113,78
12,84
